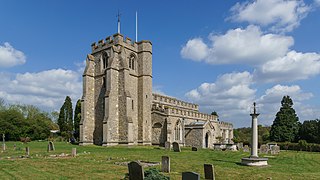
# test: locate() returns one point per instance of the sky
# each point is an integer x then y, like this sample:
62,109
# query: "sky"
222,55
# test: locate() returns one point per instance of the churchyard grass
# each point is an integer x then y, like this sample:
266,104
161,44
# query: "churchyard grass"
96,162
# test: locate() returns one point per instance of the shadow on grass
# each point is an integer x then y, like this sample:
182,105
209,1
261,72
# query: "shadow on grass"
226,161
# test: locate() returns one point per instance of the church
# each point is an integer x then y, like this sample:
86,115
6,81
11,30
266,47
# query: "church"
118,106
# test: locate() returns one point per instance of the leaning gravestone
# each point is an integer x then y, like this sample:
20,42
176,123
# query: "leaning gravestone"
246,148
165,164
208,172
167,145
190,176
27,151
264,149
135,171
194,149
51,146
176,147
275,149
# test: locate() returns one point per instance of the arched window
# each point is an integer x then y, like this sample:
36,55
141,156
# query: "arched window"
131,62
105,60
178,131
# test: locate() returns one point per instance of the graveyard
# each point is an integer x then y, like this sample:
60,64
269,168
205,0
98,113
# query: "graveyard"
112,162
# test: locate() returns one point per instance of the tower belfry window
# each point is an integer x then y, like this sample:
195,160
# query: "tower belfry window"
105,60
131,62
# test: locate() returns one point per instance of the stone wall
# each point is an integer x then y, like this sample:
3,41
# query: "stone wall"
193,137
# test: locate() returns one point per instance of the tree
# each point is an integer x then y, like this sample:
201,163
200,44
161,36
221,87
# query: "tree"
285,127
309,131
65,120
77,118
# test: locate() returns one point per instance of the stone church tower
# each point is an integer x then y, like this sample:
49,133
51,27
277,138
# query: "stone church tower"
117,93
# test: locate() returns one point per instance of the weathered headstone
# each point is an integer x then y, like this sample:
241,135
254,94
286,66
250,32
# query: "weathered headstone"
27,151
176,147
190,176
3,142
264,149
194,149
275,149
167,145
51,146
246,148
209,172
165,164
74,152
240,146
135,171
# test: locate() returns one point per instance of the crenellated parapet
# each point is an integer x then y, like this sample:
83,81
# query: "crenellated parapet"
118,39
173,102
225,125
190,114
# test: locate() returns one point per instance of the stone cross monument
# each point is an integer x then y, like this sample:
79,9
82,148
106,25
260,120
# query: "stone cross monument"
254,159
254,134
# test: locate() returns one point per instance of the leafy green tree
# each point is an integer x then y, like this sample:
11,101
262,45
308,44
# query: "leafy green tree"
65,120
77,118
285,127
309,131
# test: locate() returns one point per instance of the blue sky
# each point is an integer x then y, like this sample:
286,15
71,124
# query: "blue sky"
222,55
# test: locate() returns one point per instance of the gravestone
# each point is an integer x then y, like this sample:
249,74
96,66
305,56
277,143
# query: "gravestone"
167,145
51,146
3,142
27,151
209,172
275,149
190,176
176,147
194,149
246,148
135,171
264,149
74,152
165,164
240,146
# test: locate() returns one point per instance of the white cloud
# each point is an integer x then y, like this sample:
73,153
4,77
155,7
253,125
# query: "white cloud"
230,95
195,49
10,57
270,103
280,15
293,66
46,89
238,46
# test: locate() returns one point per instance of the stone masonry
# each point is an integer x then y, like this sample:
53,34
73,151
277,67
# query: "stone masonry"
118,106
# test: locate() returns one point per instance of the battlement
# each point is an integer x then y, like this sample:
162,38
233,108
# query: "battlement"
167,100
225,125
187,113
117,39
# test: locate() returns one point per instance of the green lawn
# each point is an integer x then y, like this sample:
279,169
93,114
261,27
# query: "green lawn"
95,162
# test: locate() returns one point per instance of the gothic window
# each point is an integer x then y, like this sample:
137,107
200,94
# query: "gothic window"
178,131
105,60
131,62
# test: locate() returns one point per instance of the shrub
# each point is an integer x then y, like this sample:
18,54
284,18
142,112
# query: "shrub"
154,174
301,146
